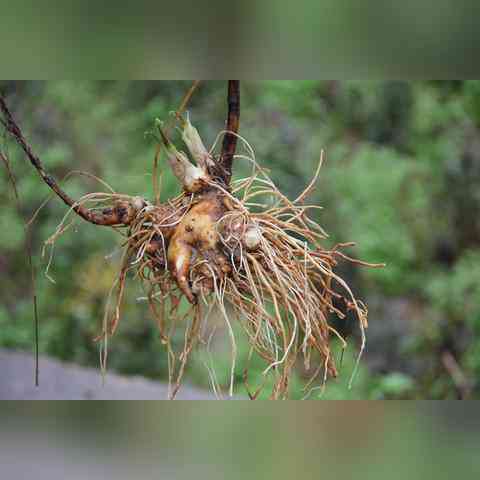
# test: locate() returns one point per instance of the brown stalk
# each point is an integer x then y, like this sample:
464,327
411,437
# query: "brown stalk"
106,217
230,139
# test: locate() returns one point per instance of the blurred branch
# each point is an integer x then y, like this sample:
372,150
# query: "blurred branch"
11,177
233,121
106,217
28,249
462,383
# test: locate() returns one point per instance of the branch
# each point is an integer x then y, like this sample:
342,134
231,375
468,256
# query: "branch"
462,383
186,99
109,216
230,140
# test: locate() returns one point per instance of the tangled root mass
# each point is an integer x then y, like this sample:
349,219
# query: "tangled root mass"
246,249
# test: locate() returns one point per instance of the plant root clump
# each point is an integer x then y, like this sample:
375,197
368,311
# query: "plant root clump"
245,249
249,251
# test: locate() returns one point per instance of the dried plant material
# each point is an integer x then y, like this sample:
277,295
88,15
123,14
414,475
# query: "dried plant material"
241,247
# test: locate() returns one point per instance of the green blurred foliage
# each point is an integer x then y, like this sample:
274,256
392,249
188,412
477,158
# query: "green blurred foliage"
401,179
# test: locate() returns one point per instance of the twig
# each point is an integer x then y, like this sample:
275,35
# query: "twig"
106,217
462,383
186,99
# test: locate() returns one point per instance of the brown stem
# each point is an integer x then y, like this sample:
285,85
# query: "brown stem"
106,217
230,139
186,99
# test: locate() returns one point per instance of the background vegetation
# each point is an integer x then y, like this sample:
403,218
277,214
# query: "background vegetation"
402,179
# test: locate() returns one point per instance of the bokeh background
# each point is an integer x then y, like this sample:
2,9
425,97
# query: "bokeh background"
401,179
248,39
